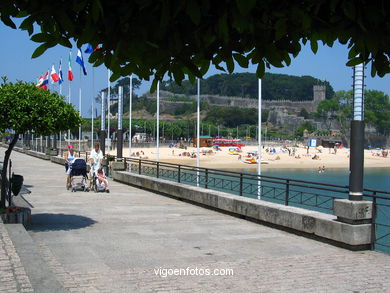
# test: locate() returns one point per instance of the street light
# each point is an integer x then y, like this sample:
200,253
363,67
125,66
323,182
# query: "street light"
356,160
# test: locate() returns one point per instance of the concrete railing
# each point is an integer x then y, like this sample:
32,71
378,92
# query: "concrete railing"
321,225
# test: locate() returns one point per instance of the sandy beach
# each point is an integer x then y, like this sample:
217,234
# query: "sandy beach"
223,159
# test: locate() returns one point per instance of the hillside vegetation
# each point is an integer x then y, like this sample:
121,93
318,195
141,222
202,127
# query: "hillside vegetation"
245,85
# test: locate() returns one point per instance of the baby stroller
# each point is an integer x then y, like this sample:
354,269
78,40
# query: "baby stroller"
97,185
79,169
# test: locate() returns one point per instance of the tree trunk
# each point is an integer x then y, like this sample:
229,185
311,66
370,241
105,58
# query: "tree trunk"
4,171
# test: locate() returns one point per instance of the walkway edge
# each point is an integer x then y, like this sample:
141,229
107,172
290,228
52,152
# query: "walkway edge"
321,225
41,278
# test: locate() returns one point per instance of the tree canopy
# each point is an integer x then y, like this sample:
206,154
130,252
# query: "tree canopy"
339,108
182,37
24,107
245,85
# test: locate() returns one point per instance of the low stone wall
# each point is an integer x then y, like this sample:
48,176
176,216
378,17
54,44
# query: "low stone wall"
37,154
58,160
325,226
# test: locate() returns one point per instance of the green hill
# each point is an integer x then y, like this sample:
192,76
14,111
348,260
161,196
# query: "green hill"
245,85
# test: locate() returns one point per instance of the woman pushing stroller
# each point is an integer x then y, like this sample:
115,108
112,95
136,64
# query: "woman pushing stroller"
70,155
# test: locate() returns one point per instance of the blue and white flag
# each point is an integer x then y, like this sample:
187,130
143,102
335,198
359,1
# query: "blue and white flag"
80,60
89,49
60,73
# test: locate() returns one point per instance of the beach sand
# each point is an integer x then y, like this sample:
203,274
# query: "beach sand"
224,160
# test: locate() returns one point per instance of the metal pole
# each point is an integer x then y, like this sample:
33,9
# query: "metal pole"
69,93
92,127
93,90
108,107
119,147
356,160
80,112
103,126
259,145
158,121
130,116
198,133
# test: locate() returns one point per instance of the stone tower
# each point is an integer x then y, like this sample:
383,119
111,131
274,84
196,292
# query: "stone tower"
319,93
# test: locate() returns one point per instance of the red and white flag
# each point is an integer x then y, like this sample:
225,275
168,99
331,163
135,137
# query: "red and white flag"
54,76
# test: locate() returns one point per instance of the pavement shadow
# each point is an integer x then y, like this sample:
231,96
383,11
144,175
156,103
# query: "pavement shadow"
58,222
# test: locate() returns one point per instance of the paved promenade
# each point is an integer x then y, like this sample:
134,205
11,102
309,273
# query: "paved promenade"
117,242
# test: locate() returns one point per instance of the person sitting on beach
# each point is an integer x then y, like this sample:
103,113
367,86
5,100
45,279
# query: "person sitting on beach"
315,157
319,169
323,168
137,154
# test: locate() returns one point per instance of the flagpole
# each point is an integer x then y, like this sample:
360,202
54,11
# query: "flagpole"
130,116
93,90
158,121
259,145
198,132
108,108
80,112
69,91
60,131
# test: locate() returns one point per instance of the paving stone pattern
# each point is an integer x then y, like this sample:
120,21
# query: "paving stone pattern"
13,277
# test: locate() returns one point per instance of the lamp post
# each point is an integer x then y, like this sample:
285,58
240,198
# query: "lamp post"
120,130
103,127
356,160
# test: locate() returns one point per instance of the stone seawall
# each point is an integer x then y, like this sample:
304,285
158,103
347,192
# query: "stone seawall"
321,225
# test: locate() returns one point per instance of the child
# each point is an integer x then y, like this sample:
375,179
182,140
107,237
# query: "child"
102,179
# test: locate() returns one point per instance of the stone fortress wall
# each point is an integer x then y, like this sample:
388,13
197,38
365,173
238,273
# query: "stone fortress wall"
287,106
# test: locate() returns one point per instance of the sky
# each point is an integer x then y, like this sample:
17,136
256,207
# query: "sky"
16,63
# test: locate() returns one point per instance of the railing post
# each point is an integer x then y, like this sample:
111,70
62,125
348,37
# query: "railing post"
206,183
241,183
158,169
287,191
373,223
178,174
139,166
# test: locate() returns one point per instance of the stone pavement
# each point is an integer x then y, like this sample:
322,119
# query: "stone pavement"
117,242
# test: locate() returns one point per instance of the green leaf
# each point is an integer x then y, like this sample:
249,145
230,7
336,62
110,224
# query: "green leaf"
39,51
27,24
40,38
7,21
241,60
230,64
260,69
314,46
354,61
